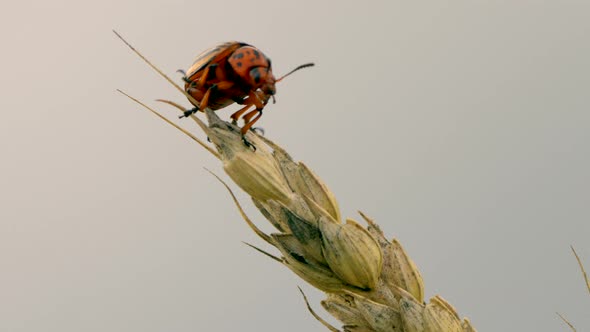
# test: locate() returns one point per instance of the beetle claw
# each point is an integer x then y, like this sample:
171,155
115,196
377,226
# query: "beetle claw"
188,113
258,130
248,144
184,78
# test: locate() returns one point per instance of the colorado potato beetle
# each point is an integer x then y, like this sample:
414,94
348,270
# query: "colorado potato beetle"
233,72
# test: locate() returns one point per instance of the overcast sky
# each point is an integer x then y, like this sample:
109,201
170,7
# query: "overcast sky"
461,127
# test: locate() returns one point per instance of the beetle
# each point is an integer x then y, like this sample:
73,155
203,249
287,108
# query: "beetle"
232,72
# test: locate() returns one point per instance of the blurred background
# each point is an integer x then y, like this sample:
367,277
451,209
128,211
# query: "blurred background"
461,127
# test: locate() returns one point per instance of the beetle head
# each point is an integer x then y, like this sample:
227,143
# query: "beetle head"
262,78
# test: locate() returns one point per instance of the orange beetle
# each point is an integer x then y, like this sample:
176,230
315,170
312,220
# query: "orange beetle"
232,72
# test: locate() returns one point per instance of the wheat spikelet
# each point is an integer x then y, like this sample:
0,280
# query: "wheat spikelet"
371,284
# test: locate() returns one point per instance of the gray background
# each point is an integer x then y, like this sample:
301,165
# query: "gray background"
462,127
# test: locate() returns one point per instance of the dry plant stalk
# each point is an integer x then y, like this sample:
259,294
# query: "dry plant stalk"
371,284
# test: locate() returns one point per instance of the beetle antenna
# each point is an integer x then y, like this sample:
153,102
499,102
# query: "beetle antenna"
311,64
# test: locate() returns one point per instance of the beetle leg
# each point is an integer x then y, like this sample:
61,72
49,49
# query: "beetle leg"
224,85
255,100
249,123
206,73
214,89
239,113
188,113
252,99
207,96
200,83
185,111
202,105
249,115
205,100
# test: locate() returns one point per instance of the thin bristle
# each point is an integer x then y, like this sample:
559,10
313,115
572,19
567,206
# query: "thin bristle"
584,274
176,105
315,315
263,252
571,326
208,148
242,212
157,69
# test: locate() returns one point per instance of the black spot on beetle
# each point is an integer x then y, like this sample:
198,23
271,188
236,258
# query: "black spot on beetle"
256,75
257,54
238,55
239,64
